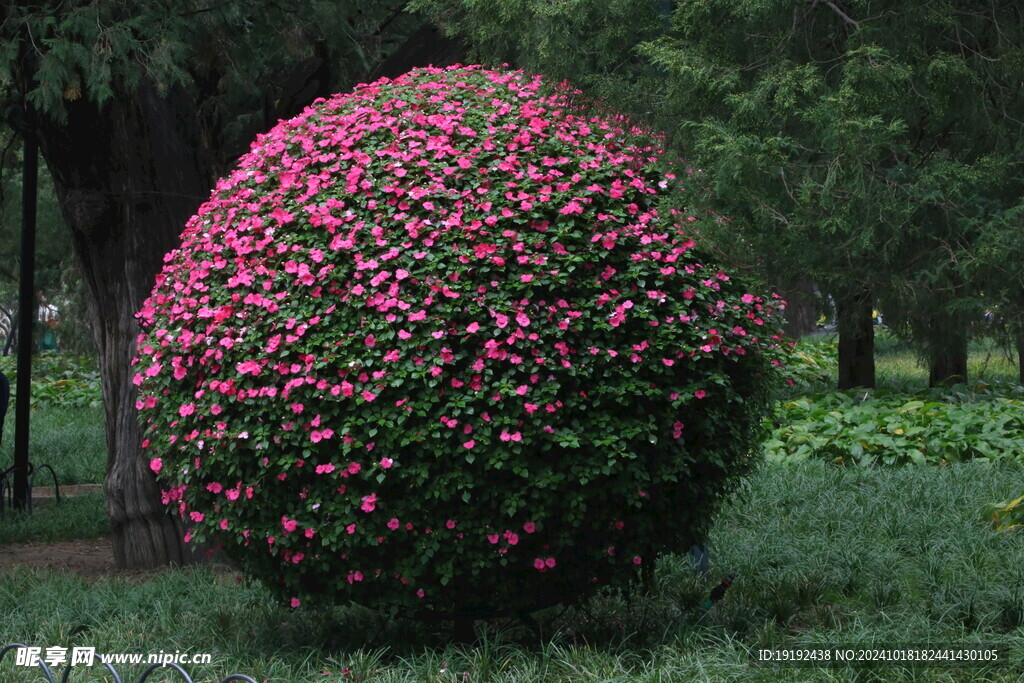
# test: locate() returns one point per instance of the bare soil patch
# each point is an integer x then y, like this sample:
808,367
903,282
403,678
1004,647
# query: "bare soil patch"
90,558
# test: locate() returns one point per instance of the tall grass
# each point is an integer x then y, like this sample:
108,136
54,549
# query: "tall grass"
69,439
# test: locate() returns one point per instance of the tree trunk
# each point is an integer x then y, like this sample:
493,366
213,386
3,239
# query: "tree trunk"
947,355
128,175
856,342
800,310
1020,357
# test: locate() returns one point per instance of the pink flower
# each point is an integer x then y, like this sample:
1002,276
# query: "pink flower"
450,524
636,559
369,503
538,564
386,462
393,523
156,464
550,562
289,524
472,327
469,444
700,393
295,602
529,527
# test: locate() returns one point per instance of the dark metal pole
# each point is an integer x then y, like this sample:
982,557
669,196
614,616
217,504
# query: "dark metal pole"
27,313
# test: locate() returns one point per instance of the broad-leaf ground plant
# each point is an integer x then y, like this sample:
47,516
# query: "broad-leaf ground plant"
439,345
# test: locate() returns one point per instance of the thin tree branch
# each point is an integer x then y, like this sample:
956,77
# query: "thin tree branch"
845,17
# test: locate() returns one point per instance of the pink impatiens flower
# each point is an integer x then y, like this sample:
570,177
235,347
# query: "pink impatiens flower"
156,464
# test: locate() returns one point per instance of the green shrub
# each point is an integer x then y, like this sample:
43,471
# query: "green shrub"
955,424
439,344
811,362
58,379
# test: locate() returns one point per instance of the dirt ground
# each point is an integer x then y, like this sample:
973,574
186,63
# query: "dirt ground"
87,558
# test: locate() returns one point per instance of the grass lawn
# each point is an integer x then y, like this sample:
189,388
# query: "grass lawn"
823,555
68,439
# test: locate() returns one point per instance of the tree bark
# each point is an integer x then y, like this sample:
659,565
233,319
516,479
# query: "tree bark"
800,310
1020,356
127,176
856,341
947,355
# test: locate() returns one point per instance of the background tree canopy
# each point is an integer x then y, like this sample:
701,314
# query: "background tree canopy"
870,148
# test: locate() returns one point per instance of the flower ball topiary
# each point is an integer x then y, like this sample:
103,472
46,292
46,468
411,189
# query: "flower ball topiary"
439,344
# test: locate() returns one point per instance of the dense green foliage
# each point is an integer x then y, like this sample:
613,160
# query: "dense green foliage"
872,148
811,363
226,53
957,424
58,379
442,343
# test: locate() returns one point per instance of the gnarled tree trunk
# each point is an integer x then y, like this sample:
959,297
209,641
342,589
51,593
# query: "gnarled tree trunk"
856,341
128,177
